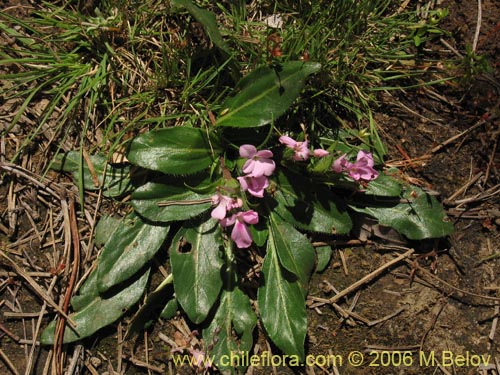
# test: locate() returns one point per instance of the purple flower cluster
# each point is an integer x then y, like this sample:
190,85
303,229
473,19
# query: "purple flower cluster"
362,169
258,167
301,149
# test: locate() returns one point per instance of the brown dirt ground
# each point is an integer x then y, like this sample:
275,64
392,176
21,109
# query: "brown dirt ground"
436,302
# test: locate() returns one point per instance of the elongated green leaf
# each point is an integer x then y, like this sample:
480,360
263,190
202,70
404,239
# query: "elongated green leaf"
114,180
154,301
101,312
87,293
323,255
265,94
231,330
282,305
417,218
195,256
294,250
105,226
129,248
178,151
309,206
167,202
207,20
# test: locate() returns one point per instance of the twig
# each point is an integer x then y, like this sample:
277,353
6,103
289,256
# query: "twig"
145,365
364,280
73,235
491,192
433,324
469,183
38,289
494,324
31,177
492,159
9,333
432,276
8,362
77,354
478,25
387,317
465,132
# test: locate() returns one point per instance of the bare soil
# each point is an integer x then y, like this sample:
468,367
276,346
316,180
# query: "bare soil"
441,302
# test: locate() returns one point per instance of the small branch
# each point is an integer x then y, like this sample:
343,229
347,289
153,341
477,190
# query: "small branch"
38,289
478,25
364,280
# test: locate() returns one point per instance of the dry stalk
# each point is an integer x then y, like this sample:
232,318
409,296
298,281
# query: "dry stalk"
359,283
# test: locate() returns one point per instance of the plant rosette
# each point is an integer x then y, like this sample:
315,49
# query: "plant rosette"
213,200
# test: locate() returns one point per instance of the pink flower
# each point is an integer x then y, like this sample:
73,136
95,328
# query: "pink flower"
362,169
341,164
254,185
320,153
224,204
241,234
301,149
259,163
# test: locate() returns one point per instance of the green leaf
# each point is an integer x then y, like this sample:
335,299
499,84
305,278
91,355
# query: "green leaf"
105,226
417,218
195,257
128,249
178,151
154,300
101,312
87,293
282,305
309,206
323,255
230,330
294,250
170,309
207,20
265,94
164,202
113,180
384,186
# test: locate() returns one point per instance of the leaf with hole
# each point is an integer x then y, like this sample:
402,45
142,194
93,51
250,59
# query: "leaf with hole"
195,257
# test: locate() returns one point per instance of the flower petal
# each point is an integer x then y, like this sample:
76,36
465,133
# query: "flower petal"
290,142
219,212
228,221
249,166
262,167
250,217
248,151
241,235
365,157
320,153
340,164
